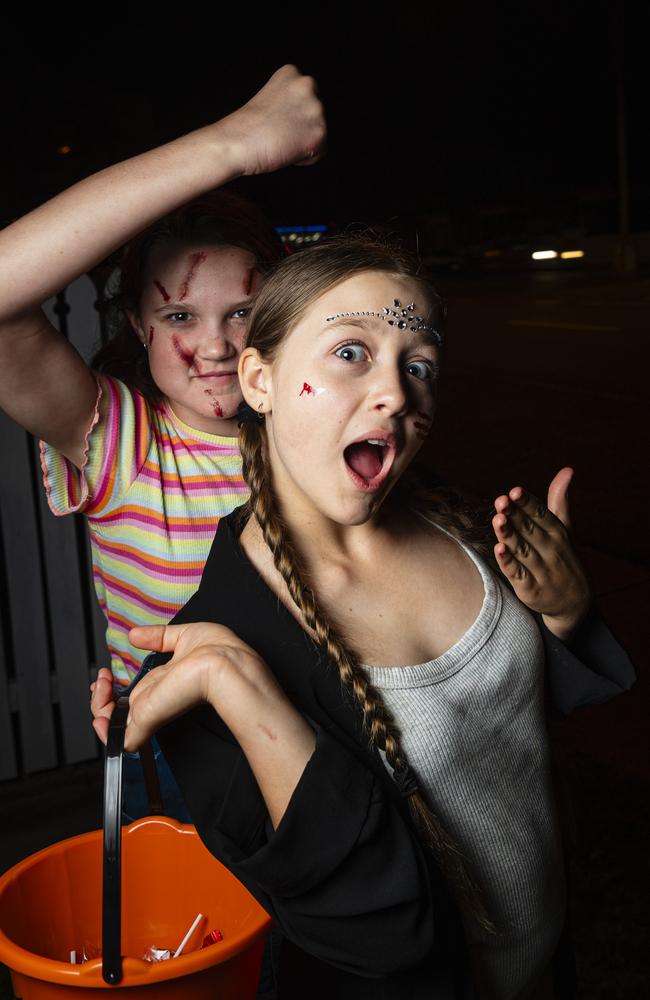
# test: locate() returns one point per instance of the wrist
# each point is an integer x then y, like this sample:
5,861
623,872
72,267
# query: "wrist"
230,145
564,626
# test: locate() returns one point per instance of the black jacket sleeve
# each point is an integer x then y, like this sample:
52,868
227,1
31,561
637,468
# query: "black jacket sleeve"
343,875
591,667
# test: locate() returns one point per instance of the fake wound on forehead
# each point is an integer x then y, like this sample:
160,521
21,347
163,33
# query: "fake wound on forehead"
403,317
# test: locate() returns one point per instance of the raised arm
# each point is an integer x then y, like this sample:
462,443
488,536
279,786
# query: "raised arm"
44,384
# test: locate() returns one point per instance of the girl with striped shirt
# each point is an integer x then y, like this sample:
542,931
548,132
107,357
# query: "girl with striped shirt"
146,445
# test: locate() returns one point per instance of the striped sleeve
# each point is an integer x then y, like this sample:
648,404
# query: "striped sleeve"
116,446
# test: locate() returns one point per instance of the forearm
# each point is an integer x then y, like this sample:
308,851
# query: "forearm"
45,250
278,744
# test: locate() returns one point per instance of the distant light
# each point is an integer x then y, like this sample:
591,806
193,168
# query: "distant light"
544,254
63,150
491,253
570,254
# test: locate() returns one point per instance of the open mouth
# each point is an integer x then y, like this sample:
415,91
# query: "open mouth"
369,461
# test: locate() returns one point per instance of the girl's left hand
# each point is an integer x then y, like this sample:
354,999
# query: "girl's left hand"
535,554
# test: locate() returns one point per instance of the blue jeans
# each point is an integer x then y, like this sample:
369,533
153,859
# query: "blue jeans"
135,804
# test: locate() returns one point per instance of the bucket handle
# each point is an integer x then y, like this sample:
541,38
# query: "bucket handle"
112,862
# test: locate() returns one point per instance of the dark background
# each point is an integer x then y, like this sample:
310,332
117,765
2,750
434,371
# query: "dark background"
432,106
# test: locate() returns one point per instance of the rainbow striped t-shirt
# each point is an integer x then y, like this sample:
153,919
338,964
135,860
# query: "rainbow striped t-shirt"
152,489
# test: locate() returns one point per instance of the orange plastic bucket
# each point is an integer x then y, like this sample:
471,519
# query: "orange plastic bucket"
51,903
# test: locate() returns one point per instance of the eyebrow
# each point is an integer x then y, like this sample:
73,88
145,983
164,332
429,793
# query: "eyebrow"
186,306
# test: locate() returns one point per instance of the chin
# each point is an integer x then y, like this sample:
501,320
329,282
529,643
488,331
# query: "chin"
354,513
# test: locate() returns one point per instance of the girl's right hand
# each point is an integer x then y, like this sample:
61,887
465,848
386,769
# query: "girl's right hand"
282,124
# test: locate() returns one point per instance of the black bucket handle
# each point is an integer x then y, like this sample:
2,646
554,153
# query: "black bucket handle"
112,843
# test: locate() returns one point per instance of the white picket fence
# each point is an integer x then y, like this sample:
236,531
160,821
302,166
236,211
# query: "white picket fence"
51,627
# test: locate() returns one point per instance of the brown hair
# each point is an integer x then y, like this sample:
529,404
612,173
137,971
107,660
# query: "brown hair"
219,219
296,282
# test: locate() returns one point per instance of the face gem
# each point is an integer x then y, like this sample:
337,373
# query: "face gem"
402,318
218,412
195,261
185,356
150,336
248,281
163,291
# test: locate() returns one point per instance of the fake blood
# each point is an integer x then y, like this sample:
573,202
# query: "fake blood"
150,336
306,388
185,357
163,291
422,427
218,412
195,261
425,416
248,281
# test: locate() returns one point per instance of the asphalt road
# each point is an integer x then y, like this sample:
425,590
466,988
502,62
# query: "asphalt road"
544,370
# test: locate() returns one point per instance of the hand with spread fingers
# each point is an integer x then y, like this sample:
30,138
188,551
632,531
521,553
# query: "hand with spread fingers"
535,554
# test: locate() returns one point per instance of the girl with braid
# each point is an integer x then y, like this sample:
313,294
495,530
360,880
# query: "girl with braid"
353,701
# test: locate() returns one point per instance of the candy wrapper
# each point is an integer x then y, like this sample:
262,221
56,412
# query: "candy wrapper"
154,954
212,937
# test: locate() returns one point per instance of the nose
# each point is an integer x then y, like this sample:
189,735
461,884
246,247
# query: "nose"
389,393
216,343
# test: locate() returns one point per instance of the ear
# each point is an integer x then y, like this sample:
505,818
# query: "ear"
135,322
255,380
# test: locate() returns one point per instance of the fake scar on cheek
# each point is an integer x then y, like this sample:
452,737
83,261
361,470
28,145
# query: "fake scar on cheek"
194,262
180,352
150,336
422,424
309,390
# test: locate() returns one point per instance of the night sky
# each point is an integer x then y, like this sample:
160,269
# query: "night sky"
433,108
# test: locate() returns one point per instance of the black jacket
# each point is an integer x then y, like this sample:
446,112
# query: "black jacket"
344,876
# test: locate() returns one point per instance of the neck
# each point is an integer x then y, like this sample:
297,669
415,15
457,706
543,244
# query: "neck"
320,541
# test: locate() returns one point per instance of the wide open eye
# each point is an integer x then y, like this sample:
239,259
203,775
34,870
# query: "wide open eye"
424,370
351,352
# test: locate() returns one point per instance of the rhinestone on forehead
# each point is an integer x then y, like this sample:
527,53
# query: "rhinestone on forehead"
403,317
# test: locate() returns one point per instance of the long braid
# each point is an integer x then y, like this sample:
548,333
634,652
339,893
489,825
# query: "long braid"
378,721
